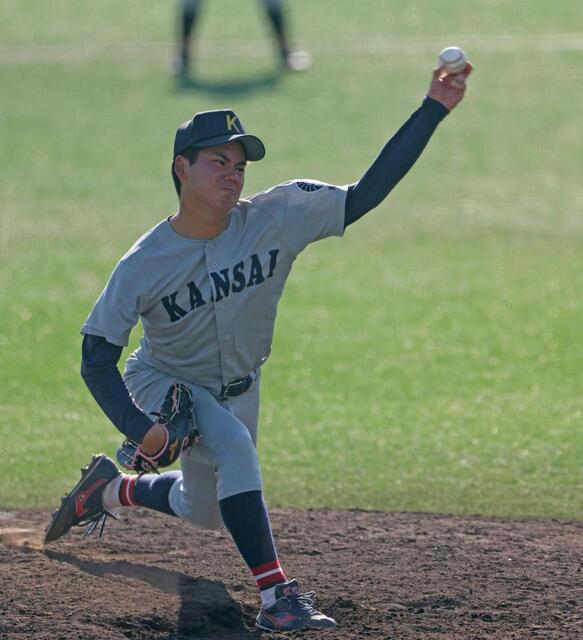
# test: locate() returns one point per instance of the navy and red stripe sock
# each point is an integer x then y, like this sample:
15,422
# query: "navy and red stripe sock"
245,516
150,490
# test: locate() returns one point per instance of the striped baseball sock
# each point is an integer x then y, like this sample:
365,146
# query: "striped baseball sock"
267,576
111,498
245,516
150,490
126,491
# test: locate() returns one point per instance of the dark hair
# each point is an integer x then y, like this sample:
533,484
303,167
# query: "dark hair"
191,154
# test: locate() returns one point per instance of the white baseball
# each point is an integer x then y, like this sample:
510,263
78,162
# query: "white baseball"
452,59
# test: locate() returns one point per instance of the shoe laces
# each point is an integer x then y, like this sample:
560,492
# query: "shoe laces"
97,520
303,602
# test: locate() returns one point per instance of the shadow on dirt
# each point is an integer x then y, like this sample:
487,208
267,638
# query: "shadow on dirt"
205,605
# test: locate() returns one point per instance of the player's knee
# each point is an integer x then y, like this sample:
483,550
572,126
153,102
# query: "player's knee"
273,5
240,453
198,506
190,6
204,518
239,470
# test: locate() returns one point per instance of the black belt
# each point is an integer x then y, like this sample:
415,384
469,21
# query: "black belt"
236,387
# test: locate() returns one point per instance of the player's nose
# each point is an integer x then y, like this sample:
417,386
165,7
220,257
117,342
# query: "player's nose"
234,174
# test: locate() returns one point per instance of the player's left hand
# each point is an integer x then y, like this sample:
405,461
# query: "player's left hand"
449,89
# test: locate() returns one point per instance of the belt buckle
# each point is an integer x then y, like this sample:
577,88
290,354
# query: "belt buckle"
236,388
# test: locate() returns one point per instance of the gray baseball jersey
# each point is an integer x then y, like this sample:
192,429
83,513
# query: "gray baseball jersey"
208,306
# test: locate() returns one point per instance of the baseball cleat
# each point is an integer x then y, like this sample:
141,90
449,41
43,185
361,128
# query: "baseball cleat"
83,505
292,611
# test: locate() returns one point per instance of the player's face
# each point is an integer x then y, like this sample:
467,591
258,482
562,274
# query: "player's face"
217,177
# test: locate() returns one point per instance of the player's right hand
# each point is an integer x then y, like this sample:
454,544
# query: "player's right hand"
449,89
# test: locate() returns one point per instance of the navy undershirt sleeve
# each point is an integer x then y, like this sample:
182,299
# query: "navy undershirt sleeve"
394,161
102,377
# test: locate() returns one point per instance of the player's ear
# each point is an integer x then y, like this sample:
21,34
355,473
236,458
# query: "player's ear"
180,166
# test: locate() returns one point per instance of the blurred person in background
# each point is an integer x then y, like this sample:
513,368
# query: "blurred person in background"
189,12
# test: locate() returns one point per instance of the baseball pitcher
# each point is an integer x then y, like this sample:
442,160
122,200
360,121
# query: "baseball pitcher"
205,284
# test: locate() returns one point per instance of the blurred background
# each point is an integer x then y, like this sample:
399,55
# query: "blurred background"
431,360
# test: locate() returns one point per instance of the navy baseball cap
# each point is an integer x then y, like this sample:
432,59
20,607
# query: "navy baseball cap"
212,128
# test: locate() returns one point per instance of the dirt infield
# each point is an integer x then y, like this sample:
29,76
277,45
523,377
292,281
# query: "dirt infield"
381,575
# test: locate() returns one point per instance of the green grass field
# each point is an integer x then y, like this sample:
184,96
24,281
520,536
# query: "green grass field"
429,361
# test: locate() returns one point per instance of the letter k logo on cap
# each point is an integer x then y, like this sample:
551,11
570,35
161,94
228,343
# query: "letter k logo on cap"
212,128
232,123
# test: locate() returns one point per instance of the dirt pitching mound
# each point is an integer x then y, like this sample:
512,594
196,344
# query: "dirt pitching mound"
380,575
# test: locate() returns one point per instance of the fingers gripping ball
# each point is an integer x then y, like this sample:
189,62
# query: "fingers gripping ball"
452,60
176,416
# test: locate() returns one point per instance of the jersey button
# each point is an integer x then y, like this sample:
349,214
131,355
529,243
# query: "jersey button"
214,265
228,337
211,245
